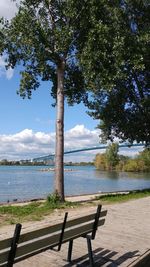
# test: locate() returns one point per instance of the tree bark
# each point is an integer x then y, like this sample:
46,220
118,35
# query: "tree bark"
59,148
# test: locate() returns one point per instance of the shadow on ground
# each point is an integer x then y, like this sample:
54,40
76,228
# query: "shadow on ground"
103,256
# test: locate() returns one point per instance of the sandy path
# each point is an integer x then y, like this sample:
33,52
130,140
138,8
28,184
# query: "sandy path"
124,237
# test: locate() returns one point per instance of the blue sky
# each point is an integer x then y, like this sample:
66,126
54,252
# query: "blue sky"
29,118
28,126
36,113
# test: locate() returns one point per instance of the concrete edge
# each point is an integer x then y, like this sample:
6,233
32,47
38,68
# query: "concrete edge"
142,261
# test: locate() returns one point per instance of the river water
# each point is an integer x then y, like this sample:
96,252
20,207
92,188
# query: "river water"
29,182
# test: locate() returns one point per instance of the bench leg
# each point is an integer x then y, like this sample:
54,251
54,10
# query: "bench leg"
70,250
90,252
14,243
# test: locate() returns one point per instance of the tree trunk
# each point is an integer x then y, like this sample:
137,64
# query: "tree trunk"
59,148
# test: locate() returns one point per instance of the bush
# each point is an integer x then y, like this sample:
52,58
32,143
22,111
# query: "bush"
100,162
135,165
53,198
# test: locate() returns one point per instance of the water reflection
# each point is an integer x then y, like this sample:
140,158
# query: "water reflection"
137,175
121,175
107,174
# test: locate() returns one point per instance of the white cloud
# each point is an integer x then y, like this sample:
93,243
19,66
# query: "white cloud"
79,137
9,73
28,144
8,8
131,152
3,72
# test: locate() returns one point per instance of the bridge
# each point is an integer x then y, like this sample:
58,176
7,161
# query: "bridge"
52,156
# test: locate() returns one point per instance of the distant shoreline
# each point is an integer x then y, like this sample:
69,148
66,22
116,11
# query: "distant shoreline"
74,198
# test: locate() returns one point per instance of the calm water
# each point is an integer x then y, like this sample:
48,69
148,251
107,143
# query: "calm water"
29,182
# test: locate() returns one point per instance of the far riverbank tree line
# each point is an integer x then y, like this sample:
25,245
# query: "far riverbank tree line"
6,162
111,160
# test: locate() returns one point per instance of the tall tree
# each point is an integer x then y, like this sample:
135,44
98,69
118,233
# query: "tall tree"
124,111
41,38
78,45
100,161
109,159
112,156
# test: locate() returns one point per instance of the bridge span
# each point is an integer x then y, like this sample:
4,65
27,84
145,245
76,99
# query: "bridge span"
52,156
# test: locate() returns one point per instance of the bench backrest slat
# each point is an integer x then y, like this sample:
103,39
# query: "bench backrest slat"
84,219
54,228
4,265
36,245
40,232
4,257
51,241
34,242
5,243
48,230
39,244
80,231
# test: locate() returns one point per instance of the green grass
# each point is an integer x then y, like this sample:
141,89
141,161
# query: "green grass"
12,214
116,198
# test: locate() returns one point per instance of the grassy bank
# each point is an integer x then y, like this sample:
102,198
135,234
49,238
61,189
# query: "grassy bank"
117,198
11,214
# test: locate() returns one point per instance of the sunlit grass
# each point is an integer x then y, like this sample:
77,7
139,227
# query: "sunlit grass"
110,198
11,214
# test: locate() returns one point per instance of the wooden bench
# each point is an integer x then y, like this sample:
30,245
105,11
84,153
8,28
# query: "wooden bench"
23,246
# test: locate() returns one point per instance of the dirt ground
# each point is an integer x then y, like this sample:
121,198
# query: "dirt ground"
124,238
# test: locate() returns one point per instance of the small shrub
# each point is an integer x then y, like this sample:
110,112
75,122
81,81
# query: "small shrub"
53,198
